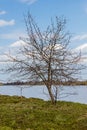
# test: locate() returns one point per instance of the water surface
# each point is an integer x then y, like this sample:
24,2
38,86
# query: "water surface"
67,93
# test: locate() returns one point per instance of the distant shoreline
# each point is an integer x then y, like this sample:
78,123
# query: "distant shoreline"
68,83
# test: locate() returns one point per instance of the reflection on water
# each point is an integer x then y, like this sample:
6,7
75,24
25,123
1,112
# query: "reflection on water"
76,93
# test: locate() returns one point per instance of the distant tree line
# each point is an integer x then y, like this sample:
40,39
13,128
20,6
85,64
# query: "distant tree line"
69,83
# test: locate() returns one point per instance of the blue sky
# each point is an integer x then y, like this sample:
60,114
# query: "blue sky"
12,24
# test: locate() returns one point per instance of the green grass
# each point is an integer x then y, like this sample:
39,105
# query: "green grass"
37,114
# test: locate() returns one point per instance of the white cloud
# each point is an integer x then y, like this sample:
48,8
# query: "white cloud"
6,23
28,1
12,50
13,35
82,47
9,36
3,58
80,37
84,59
2,12
15,47
18,44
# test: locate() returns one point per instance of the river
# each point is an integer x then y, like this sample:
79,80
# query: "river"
67,93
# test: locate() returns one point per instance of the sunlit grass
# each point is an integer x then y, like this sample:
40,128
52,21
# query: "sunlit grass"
18,113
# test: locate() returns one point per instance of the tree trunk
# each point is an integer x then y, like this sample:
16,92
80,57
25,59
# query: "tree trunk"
51,95
49,81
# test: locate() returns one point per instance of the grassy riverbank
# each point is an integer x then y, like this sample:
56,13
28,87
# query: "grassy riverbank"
35,114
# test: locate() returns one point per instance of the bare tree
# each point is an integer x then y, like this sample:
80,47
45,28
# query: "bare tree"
46,56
